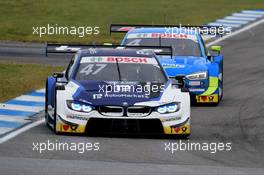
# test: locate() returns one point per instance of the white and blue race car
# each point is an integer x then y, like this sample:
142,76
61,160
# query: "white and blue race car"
115,90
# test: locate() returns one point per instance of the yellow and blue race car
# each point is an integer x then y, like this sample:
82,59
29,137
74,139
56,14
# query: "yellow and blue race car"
202,72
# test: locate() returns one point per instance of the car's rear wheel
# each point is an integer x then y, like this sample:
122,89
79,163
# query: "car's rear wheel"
55,113
222,87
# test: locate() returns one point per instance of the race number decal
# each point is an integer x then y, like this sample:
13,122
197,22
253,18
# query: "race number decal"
92,69
135,42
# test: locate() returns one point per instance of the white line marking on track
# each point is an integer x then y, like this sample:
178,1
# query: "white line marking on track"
253,12
5,130
20,119
225,25
236,32
20,107
246,15
40,90
21,130
240,18
30,98
231,21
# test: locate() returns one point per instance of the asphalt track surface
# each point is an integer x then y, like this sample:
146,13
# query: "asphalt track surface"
238,119
35,53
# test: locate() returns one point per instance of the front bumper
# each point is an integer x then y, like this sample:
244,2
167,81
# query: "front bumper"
102,120
124,125
204,92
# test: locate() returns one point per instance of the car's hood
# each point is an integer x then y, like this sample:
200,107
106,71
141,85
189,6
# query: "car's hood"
114,93
183,65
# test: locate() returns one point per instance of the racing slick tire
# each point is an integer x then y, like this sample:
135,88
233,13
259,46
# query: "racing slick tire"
51,123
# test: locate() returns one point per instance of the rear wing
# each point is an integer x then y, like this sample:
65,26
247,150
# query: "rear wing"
203,29
73,48
68,47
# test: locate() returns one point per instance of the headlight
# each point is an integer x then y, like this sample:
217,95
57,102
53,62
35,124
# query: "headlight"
172,107
197,76
169,108
162,109
78,106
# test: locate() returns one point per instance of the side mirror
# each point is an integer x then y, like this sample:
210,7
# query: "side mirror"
59,85
216,49
180,83
58,75
179,80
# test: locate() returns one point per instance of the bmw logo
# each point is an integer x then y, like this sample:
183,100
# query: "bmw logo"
125,104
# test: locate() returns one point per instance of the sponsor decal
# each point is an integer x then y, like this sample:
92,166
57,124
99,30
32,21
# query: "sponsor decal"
196,90
171,65
170,119
97,96
184,129
62,127
180,130
111,59
125,96
207,99
126,29
67,48
74,127
162,35
65,127
177,129
194,83
168,35
211,98
96,59
77,117
127,59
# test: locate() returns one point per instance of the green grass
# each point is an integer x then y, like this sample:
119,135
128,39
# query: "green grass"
16,79
19,16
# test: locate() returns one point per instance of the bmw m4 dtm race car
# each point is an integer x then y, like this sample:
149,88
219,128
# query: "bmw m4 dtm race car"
115,90
203,73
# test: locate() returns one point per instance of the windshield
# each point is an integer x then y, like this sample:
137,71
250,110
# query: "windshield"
180,46
136,69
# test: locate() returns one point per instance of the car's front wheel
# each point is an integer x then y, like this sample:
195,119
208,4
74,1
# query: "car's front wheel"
50,122
55,113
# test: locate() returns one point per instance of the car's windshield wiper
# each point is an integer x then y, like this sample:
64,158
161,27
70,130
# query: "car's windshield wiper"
160,40
118,69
